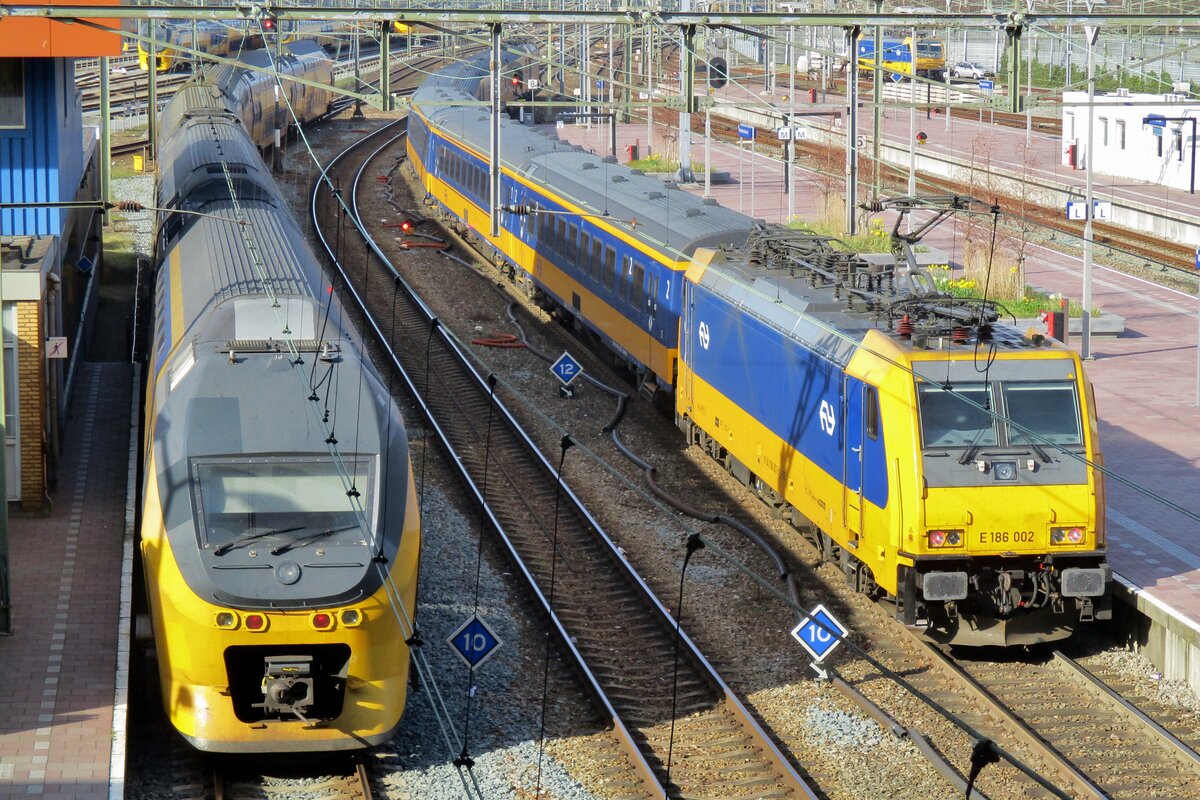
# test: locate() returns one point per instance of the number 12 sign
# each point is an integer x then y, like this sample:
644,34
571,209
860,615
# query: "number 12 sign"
819,633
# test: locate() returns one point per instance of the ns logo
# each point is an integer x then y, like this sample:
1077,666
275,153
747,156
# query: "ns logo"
827,417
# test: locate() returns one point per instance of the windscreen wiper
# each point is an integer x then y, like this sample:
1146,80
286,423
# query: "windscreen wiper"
225,548
283,548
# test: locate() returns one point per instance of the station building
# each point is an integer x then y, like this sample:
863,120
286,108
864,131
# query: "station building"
1148,137
50,255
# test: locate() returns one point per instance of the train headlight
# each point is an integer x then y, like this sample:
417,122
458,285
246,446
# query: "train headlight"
321,621
1072,535
351,617
1004,470
945,538
226,620
256,622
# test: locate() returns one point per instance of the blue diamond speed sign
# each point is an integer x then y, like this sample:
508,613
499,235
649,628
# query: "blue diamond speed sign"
819,633
566,369
474,642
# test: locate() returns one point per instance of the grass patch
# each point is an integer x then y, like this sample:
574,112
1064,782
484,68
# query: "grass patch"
1030,305
657,163
875,240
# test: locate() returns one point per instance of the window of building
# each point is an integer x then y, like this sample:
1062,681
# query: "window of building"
1158,140
12,93
1104,131
1121,134
1068,125
1179,144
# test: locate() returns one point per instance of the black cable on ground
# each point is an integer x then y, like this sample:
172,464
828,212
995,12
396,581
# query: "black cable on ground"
694,543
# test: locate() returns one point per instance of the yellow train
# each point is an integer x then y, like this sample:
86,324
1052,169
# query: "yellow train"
280,532
227,38
941,458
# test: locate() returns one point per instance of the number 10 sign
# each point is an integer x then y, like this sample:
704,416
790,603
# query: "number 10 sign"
474,642
819,633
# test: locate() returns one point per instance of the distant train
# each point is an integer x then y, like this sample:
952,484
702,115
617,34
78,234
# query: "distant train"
227,38
280,532
937,456
899,55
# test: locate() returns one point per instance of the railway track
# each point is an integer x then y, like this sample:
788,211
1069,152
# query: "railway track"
668,708
230,782
1135,244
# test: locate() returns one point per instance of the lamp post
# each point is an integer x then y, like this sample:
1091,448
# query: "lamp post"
1092,32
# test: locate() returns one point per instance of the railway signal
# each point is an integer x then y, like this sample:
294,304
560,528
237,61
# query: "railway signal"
718,72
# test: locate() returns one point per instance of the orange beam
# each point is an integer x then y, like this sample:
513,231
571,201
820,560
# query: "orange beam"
28,37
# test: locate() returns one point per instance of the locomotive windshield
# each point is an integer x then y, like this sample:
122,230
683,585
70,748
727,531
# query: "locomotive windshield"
948,420
280,500
1049,410
952,417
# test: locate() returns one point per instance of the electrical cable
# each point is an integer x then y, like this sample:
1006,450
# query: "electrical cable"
565,444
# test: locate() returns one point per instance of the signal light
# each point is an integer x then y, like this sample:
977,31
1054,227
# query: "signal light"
256,623
407,226
945,538
268,24
718,72
322,620
1073,535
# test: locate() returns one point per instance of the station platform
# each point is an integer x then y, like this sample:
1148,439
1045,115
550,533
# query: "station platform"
1145,380
62,703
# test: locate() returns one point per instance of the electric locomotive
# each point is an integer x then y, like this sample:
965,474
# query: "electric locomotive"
280,532
941,457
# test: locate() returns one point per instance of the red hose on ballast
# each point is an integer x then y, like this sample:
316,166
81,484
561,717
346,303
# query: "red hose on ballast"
499,340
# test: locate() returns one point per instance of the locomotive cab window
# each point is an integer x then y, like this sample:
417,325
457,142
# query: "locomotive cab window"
871,412
280,500
1049,410
949,420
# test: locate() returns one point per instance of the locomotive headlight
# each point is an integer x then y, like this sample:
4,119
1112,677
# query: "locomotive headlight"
226,620
945,538
351,617
1004,471
1072,535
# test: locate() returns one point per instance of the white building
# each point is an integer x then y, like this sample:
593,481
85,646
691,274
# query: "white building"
1149,137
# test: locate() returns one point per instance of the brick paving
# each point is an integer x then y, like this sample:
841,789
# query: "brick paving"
1145,380
56,702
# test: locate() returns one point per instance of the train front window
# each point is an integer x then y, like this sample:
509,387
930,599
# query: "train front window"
1049,410
953,418
280,500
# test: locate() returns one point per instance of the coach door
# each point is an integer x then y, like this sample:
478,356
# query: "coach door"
852,455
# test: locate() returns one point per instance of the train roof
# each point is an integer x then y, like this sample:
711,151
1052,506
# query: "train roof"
664,214
830,303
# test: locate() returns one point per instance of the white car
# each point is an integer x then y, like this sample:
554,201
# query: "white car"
965,69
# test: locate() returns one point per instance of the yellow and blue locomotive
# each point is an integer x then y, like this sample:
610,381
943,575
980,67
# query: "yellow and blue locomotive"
280,533
941,457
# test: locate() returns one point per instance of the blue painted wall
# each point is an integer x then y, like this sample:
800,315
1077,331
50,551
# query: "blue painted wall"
44,161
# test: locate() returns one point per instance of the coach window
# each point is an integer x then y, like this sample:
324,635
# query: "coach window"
597,266
560,236
574,244
625,278
610,268
638,298
585,252
871,412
